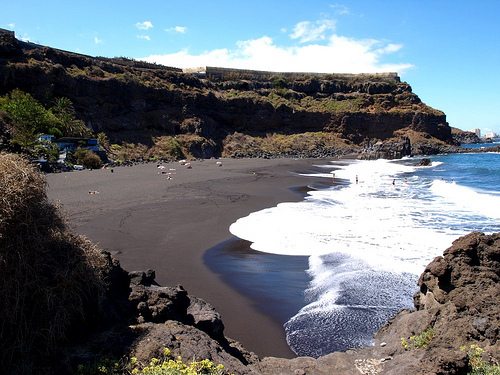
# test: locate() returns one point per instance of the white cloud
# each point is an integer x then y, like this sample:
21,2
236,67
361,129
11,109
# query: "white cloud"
390,48
144,25
340,9
310,32
11,25
145,37
97,40
337,55
177,29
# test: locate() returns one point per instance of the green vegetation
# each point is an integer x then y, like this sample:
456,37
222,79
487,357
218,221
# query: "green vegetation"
87,158
28,119
349,105
421,341
167,147
280,83
477,365
67,123
167,365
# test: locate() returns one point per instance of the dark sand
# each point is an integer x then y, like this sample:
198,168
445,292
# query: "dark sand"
148,221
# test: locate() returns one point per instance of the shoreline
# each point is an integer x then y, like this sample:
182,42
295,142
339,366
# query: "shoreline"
149,222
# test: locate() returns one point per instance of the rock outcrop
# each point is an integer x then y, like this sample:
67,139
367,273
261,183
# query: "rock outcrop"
464,137
457,302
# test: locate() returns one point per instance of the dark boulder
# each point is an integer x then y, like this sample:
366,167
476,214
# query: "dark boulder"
425,162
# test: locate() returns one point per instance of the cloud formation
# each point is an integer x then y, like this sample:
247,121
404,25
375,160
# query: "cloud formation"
340,9
337,55
97,40
177,29
310,32
145,37
146,25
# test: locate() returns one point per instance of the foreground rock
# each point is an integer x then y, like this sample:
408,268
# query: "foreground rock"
458,301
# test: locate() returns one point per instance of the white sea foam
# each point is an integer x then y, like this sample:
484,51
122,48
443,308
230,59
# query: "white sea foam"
363,230
388,226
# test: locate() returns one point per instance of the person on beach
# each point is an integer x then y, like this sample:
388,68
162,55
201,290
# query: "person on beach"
356,179
394,181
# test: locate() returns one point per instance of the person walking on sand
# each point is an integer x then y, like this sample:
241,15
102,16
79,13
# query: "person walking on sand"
356,179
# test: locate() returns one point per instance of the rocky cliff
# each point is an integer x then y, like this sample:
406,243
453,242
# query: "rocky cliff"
139,103
464,137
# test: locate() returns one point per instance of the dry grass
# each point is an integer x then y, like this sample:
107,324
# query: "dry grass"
50,279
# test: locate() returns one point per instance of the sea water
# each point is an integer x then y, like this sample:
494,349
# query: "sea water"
367,236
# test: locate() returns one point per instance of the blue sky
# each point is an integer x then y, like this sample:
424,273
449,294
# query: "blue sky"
448,51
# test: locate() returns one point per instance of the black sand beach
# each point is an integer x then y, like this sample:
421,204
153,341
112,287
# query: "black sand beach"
150,222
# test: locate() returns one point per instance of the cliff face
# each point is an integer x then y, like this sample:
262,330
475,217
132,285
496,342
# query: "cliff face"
137,102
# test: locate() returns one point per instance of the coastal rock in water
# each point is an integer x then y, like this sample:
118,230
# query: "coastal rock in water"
395,149
464,137
424,163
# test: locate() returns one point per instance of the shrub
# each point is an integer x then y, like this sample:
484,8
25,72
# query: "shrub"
477,365
88,158
421,341
49,278
280,83
167,365
167,147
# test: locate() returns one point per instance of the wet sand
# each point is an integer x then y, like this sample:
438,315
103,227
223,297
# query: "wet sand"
150,222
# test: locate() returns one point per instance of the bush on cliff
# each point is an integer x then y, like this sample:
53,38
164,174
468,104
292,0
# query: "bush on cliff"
50,280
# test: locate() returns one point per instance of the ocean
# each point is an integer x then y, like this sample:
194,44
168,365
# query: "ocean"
335,266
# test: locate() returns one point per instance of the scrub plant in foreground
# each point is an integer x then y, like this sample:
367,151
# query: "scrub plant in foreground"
167,365
477,365
421,341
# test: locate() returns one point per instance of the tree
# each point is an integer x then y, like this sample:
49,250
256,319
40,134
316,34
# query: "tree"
65,114
29,117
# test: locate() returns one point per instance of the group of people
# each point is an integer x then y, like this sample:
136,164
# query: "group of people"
357,180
